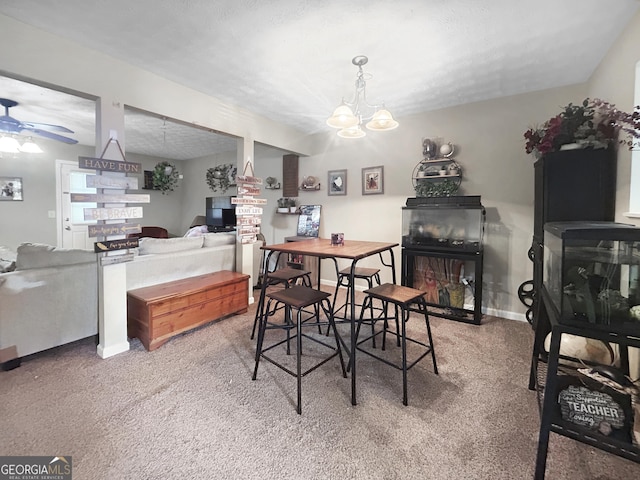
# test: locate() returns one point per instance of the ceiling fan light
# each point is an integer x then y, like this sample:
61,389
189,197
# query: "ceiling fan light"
30,147
382,120
352,132
9,145
342,117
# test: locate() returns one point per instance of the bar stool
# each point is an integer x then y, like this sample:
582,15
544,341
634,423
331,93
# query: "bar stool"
403,299
283,276
369,275
297,297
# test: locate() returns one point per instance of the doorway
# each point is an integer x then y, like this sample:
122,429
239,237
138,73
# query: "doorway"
72,228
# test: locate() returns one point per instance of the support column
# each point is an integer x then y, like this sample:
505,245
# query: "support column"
112,279
244,251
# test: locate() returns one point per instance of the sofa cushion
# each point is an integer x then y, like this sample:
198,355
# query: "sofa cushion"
7,260
150,245
37,255
220,238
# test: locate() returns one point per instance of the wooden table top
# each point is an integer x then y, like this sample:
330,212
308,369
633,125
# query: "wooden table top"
321,247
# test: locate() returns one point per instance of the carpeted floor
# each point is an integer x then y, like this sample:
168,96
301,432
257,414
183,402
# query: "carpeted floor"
190,410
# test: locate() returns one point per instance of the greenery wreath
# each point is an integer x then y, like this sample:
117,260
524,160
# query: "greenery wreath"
221,177
165,177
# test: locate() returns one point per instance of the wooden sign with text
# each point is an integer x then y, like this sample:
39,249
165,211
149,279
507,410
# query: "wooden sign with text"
104,181
111,229
248,211
114,259
108,245
248,179
248,201
112,213
109,165
111,198
247,190
248,220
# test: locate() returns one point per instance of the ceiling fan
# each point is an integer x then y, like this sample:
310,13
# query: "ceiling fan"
13,126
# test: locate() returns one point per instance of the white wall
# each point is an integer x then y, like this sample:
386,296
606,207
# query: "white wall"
488,136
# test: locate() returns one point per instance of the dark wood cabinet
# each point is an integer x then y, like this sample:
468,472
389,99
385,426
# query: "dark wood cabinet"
569,185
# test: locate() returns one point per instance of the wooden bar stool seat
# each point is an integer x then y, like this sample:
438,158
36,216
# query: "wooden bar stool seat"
297,297
286,276
404,300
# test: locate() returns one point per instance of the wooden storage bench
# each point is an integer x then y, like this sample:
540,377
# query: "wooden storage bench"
159,312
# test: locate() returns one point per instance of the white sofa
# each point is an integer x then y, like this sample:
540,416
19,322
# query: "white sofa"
161,260
52,296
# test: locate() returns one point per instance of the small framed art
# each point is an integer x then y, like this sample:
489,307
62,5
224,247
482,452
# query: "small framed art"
337,181
10,188
372,180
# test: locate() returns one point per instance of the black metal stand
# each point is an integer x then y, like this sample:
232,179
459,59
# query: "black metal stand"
546,372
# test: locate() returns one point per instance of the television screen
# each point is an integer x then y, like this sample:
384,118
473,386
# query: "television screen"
221,213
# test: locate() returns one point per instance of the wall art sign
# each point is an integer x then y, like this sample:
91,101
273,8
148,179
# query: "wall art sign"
337,182
594,410
372,180
119,183
109,245
10,189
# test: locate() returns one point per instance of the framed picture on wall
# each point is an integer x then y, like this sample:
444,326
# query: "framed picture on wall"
10,188
372,180
337,182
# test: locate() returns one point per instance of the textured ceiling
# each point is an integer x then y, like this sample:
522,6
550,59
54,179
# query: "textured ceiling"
291,60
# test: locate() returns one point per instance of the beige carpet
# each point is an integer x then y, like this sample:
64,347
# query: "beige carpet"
190,410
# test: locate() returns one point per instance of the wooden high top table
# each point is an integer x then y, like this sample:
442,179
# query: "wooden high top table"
353,250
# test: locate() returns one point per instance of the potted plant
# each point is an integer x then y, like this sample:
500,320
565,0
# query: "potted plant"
221,177
283,205
595,123
292,205
165,177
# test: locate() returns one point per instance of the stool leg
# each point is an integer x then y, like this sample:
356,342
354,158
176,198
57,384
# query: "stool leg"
404,312
423,307
397,326
373,330
299,360
261,330
259,312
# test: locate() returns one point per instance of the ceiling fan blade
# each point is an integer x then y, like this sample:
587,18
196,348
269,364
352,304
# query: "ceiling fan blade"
48,126
52,136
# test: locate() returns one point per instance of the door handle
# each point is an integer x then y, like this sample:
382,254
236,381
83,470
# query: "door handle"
67,228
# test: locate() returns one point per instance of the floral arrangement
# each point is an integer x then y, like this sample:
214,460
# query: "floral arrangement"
595,124
165,177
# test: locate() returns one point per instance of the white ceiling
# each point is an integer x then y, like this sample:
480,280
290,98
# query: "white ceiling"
291,60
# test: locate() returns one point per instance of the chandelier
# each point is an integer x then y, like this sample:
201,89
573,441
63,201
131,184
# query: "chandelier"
349,116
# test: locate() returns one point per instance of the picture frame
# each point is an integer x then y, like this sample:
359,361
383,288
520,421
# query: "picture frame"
337,182
373,180
10,189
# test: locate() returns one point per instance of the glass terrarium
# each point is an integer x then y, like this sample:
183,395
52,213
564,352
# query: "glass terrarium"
443,222
591,274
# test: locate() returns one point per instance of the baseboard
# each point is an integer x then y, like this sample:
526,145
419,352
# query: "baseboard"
110,351
520,317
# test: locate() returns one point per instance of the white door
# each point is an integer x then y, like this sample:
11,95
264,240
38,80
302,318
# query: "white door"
72,227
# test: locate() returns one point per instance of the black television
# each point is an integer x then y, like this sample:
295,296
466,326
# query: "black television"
220,214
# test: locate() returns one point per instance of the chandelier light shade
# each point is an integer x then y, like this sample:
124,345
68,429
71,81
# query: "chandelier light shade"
30,147
342,117
350,115
352,132
9,145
